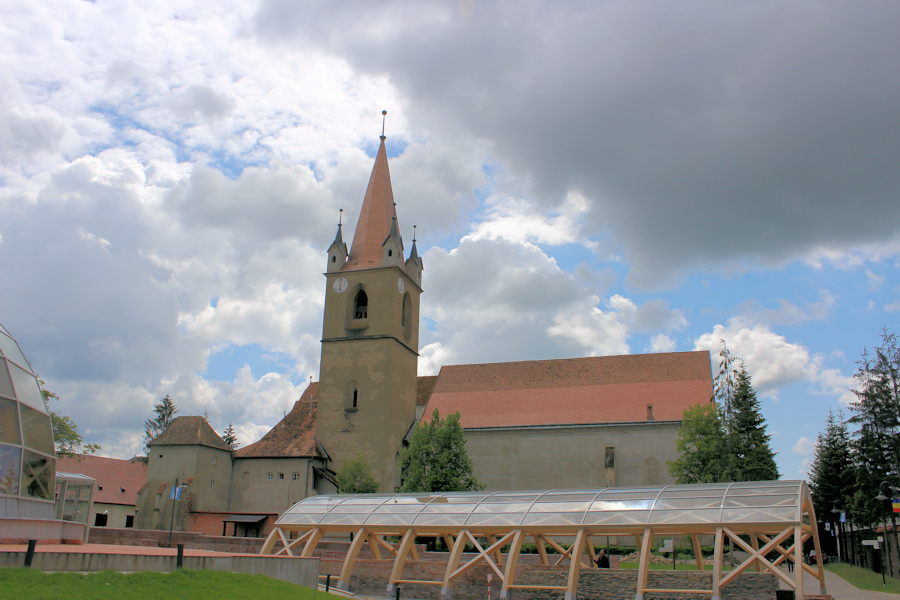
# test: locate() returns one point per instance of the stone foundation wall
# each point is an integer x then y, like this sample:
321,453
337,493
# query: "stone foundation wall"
370,577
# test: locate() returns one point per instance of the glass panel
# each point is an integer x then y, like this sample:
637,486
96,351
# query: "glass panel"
344,520
6,388
449,508
603,505
37,430
436,519
503,507
685,516
553,519
767,500
561,506
495,519
777,515
557,497
11,350
298,519
37,476
9,422
391,519
688,503
9,470
634,517
27,389
390,507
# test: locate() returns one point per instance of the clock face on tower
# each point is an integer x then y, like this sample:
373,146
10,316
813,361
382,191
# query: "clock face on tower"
340,285
400,284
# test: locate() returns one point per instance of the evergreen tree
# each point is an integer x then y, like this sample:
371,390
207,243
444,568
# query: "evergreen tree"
701,439
165,411
750,455
436,458
230,437
876,440
831,477
356,477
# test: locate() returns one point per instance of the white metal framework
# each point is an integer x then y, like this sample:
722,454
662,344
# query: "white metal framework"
764,519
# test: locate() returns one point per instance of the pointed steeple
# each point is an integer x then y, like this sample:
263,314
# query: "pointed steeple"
414,264
376,217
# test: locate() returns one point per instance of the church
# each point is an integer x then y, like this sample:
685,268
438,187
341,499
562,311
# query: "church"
566,423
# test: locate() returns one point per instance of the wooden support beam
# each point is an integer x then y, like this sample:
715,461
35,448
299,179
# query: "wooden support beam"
350,559
698,551
575,565
644,565
287,546
270,542
408,539
717,563
512,561
458,546
541,548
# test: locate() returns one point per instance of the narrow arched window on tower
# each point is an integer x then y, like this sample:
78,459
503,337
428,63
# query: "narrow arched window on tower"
406,315
355,398
390,252
361,305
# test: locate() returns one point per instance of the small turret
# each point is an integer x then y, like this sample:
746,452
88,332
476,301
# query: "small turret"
337,252
414,264
392,247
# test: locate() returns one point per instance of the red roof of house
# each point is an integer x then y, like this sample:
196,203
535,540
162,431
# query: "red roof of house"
293,436
188,431
117,480
604,389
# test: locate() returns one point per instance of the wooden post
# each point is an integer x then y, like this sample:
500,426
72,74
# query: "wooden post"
644,568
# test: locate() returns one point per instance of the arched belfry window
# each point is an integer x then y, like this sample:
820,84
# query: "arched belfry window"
406,315
361,305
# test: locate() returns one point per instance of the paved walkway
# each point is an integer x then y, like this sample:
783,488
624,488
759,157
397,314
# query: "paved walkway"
839,589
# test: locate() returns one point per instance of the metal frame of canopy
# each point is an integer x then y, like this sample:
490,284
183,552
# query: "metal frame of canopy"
760,518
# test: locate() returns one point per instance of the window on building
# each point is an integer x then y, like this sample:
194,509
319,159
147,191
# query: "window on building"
649,412
610,461
214,459
269,476
406,315
129,520
100,519
295,476
281,476
355,398
361,305
212,484
390,252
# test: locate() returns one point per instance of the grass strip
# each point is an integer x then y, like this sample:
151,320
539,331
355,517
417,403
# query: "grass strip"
31,584
864,579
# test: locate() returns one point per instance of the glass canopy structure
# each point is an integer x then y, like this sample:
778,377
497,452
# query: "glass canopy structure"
27,458
776,516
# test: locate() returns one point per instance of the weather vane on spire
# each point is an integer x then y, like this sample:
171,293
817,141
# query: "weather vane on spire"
341,217
383,117
414,233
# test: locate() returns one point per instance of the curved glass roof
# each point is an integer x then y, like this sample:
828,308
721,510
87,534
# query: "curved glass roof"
698,504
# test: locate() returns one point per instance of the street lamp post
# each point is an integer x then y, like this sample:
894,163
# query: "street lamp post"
881,498
842,550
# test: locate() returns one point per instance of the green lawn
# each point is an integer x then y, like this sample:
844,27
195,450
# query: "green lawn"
30,584
864,579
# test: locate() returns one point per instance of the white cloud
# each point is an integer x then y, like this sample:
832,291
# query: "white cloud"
804,445
662,343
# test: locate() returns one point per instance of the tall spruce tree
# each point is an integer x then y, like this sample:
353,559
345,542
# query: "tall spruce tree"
831,477
876,439
725,441
750,455
165,411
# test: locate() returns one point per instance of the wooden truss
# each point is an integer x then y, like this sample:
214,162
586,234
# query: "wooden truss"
767,546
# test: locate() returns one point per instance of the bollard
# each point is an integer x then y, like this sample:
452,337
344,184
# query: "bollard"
327,583
29,554
179,562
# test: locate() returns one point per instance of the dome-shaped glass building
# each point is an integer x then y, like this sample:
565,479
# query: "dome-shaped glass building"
27,458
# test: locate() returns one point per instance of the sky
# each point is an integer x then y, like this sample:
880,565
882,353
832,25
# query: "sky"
585,178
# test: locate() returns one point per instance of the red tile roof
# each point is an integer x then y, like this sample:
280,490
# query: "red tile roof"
293,436
112,475
606,389
185,431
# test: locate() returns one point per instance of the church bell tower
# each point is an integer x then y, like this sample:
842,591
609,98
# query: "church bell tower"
370,337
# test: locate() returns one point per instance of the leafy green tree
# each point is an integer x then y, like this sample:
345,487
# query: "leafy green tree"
230,437
66,439
831,476
436,459
356,477
165,411
748,449
700,442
